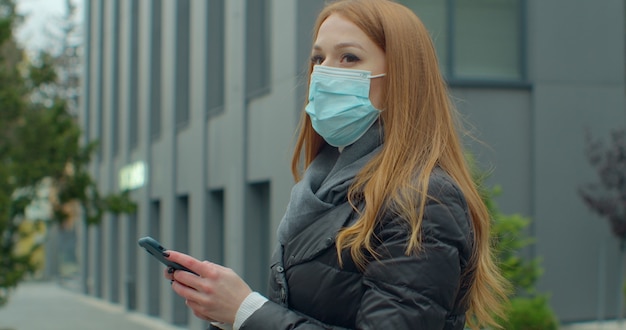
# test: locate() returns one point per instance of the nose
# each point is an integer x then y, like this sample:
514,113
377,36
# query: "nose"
329,63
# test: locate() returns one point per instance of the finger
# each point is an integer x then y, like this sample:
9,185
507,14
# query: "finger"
168,273
189,293
202,285
199,310
202,268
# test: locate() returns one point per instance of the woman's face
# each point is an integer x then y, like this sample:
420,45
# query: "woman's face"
340,43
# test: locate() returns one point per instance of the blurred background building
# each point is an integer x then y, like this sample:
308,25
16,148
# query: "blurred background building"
195,103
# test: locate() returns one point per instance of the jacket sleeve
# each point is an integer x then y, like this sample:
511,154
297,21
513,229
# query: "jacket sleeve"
272,316
402,292
420,291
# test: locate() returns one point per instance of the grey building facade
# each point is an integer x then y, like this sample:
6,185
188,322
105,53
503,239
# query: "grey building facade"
195,103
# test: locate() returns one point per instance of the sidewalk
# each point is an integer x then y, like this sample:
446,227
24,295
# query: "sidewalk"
609,325
46,305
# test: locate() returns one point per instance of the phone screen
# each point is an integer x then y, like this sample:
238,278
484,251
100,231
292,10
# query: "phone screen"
156,250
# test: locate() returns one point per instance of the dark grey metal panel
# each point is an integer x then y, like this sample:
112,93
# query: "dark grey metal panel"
307,12
154,100
258,48
498,123
181,63
132,76
215,57
568,234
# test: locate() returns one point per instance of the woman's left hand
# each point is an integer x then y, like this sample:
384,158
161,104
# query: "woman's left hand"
214,295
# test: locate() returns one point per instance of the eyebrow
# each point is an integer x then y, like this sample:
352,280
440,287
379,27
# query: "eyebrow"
341,45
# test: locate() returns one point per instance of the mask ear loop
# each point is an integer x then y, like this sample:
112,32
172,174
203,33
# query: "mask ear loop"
377,76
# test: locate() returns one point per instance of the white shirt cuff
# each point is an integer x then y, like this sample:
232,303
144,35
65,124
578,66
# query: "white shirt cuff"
252,302
223,326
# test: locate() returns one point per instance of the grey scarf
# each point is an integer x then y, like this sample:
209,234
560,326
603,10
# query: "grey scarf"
326,182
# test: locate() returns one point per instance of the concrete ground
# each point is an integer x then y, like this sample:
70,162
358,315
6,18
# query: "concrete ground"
46,305
609,325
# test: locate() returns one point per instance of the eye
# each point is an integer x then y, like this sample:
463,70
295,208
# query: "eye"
317,59
350,58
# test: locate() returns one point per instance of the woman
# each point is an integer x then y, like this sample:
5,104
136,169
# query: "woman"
385,228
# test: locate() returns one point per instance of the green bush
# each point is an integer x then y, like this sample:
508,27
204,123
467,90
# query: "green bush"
528,310
533,313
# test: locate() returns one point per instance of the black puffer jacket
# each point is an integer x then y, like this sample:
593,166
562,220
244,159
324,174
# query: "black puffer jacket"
308,289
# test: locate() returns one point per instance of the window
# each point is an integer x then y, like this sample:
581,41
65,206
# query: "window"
257,234
182,63
131,280
476,40
97,262
155,70
306,14
154,230
181,243
215,57
88,51
114,261
257,48
133,111
215,224
115,73
99,63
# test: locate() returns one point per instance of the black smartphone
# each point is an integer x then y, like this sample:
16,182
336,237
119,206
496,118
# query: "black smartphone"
156,250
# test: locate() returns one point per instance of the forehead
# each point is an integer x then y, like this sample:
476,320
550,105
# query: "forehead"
337,29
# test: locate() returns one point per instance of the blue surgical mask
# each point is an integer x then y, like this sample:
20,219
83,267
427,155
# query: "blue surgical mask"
339,105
